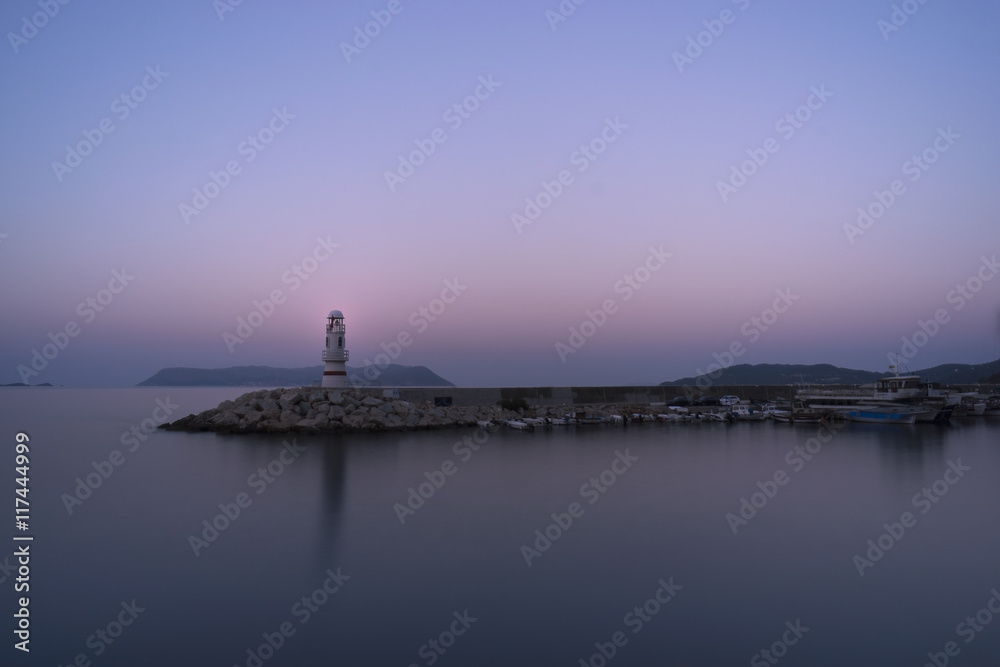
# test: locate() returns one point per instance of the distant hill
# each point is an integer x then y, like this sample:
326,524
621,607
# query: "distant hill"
993,379
960,373
267,376
782,374
21,384
778,374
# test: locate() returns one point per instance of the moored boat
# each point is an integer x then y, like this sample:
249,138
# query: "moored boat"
992,407
885,415
799,413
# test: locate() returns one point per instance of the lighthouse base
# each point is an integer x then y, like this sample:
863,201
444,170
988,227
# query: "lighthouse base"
335,374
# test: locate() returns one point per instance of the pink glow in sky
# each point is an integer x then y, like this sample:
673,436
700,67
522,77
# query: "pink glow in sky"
593,122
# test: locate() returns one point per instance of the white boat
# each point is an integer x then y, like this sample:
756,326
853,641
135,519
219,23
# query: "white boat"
925,399
486,425
747,414
559,421
519,425
533,421
992,407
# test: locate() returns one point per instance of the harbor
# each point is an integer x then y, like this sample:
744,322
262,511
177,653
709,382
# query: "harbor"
897,400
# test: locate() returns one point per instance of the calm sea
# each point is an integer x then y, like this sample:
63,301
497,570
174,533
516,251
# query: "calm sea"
646,553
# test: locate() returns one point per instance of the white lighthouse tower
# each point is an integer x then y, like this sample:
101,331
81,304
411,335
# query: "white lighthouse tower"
335,355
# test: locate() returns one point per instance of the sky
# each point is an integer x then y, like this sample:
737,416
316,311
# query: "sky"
574,194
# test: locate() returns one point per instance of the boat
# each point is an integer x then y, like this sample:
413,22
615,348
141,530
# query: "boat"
518,425
588,418
992,407
925,399
798,414
745,413
885,415
559,421
486,425
971,405
533,421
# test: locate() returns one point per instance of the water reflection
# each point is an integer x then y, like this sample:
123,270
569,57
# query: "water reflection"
333,469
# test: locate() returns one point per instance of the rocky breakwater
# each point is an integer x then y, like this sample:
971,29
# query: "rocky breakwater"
314,410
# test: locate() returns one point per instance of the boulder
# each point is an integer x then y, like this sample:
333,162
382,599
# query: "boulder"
335,397
317,396
371,402
225,419
354,420
336,413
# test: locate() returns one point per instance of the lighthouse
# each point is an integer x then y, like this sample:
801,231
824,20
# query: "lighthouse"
335,355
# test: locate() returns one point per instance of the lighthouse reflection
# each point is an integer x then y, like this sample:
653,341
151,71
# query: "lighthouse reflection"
333,469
